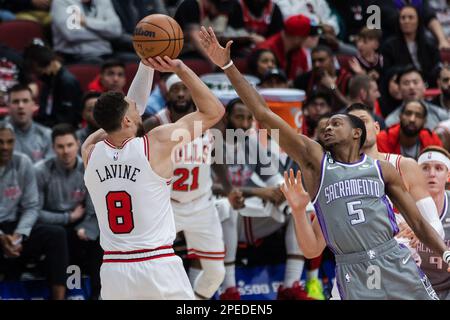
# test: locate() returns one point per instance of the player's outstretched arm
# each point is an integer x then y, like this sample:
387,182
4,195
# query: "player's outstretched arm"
163,139
414,178
309,236
404,202
90,142
302,149
141,86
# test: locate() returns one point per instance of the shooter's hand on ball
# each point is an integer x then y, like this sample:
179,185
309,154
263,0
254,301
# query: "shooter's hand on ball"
166,64
218,54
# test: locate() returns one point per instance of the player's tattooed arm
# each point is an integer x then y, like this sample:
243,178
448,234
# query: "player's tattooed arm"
309,235
396,191
303,150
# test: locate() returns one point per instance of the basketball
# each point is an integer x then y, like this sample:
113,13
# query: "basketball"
158,35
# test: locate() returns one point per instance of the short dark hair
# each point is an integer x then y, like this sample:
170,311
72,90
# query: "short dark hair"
89,95
112,63
38,55
318,94
359,107
109,110
20,87
371,34
358,82
231,104
321,48
62,129
408,69
357,123
424,107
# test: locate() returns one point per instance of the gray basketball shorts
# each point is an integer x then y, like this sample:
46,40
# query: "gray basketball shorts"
386,272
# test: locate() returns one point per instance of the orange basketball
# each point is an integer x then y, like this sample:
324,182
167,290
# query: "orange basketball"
158,35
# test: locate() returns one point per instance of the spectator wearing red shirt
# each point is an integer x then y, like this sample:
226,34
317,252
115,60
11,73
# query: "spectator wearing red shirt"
111,77
409,137
287,44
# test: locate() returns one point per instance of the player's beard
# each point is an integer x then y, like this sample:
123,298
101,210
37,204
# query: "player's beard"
180,108
140,132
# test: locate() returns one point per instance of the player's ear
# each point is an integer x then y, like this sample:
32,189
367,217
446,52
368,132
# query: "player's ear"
357,132
377,127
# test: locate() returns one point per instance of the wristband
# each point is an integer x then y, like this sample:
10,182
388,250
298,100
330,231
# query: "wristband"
446,256
229,64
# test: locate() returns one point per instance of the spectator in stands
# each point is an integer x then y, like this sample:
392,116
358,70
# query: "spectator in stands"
287,44
192,14
412,87
325,76
274,78
317,104
317,10
409,46
260,61
443,81
12,71
88,103
111,78
390,11
83,34
64,201
442,9
21,238
352,17
61,93
260,18
157,99
34,10
409,137
130,13
368,60
258,200
31,138
362,89
391,97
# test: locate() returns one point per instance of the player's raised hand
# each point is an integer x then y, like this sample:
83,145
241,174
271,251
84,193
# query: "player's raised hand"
218,54
165,64
294,192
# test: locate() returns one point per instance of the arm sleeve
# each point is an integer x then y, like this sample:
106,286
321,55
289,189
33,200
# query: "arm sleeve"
29,202
141,86
428,209
108,25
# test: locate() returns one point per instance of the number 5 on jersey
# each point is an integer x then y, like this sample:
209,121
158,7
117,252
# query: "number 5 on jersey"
358,212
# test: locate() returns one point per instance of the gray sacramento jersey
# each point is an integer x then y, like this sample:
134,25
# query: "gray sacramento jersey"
352,207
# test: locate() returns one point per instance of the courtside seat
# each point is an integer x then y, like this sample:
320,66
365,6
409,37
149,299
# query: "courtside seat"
18,34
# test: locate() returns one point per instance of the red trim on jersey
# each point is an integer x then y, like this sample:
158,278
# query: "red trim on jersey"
207,252
138,251
197,256
140,259
146,147
115,147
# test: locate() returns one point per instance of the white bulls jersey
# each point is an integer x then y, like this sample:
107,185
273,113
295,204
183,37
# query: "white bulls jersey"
192,168
131,201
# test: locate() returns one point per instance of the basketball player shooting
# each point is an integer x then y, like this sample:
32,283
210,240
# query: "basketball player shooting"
128,176
349,192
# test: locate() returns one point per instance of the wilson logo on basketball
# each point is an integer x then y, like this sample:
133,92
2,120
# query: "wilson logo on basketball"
142,32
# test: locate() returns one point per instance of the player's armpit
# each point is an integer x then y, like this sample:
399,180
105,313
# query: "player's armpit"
90,142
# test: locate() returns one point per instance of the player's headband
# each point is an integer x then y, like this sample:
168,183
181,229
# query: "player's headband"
434,156
172,80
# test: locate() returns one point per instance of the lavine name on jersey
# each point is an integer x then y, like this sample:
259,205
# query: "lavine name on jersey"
118,171
352,187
